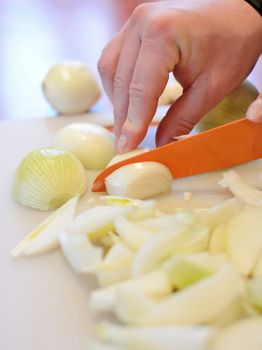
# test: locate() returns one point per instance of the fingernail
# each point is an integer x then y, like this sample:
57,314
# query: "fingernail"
254,112
178,138
121,144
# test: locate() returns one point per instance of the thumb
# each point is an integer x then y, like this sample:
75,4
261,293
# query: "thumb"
254,112
182,116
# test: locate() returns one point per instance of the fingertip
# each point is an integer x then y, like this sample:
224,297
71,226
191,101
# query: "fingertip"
162,140
130,138
254,112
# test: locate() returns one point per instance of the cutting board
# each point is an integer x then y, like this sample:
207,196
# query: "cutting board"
43,304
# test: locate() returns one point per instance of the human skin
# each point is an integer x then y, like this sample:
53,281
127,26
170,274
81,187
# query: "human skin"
209,45
254,112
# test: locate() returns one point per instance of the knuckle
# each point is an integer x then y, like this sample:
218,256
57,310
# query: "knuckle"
139,13
183,126
159,27
119,82
137,89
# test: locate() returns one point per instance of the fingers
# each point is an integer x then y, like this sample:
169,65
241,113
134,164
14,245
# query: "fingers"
123,77
108,62
147,84
254,112
180,119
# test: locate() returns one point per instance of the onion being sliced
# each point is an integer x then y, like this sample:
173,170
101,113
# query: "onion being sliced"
139,180
119,157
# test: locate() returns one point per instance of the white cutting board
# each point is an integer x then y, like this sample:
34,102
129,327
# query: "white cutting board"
43,304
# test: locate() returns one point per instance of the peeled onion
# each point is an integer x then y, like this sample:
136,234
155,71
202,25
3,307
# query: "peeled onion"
92,144
139,180
47,178
71,88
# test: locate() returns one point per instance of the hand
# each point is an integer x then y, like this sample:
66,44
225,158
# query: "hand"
209,46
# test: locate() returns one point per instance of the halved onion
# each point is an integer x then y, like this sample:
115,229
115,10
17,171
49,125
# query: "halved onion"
92,144
47,178
139,180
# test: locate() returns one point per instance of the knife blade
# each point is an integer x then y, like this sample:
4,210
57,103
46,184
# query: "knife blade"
224,146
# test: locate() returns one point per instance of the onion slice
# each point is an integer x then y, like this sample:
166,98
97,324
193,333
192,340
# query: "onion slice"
241,189
45,237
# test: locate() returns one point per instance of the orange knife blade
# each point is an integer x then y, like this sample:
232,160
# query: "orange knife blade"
227,145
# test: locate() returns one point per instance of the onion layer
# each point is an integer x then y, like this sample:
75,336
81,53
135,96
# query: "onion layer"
47,178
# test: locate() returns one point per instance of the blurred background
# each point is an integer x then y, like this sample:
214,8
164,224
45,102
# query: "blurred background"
36,34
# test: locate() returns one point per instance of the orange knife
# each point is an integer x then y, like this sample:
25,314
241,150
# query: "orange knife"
227,145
